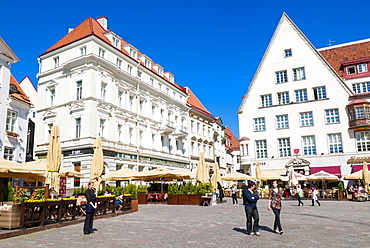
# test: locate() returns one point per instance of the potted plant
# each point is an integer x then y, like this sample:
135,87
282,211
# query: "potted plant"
173,194
134,200
10,195
22,195
142,191
340,190
194,197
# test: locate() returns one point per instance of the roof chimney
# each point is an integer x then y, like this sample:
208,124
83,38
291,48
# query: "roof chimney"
103,22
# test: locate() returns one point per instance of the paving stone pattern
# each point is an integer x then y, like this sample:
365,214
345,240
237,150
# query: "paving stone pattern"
334,224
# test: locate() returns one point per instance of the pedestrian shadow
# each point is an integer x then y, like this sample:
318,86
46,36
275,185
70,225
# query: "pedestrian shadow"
266,228
244,231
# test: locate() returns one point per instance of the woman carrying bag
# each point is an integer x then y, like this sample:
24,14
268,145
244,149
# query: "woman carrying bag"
90,209
275,197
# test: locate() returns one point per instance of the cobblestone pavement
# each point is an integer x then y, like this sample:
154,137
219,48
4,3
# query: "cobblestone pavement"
334,224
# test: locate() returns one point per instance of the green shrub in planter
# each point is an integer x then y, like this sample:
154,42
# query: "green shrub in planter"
134,193
142,189
10,192
173,189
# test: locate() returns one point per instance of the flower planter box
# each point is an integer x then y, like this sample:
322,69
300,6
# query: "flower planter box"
135,205
173,200
143,198
69,209
52,211
195,199
183,199
32,213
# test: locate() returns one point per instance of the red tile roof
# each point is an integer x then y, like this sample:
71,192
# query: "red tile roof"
235,146
20,95
195,103
92,27
358,101
86,28
336,55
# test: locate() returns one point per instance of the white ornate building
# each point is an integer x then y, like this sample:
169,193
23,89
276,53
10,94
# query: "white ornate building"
14,109
94,84
313,100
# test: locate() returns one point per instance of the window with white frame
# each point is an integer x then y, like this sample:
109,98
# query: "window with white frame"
204,130
266,100
209,132
133,53
259,124
332,116
119,63
11,118
148,63
83,51
119,98
288,53
363,141
119,132
153,111
101,52
301,95
359,113
78,90
101,127
351,70
284,147
335,143
198,128
261,149
160,71
56,61
131,103
141,106
299,74
283,98
139,74
361,87
9,153
78,127
153,141
281,77
151,81
141,138
319,93
306,119
282,121
362,68
49,126
192,126
192,147
309,145
52,96
159,86
103,91
129,69
130,135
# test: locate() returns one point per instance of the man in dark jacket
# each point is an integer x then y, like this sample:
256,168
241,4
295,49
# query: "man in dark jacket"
251,211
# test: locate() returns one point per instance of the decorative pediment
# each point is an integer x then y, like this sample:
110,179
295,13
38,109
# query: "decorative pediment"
51,84
121,85
298,162
194,138
49,114
102,107
76,106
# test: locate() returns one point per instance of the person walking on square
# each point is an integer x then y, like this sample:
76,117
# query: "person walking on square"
90,209
299,195
251,211
234,190
314,196
275,197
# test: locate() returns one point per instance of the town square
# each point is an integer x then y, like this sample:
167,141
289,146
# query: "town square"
184,124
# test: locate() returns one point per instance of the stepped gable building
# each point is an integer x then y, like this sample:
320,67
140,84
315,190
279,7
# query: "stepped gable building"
94,84
310,101
14,109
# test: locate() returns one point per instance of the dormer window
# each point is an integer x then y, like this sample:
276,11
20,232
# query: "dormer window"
56,62
351,70
116,42
133,53
160,71
148,63
362,68
13,89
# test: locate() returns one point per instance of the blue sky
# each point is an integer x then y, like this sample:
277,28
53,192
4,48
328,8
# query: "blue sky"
212,46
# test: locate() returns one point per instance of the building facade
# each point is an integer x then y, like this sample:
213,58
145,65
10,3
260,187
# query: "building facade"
94,84
305,106
14,109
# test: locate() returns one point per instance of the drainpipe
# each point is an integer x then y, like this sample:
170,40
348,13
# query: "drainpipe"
137,122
